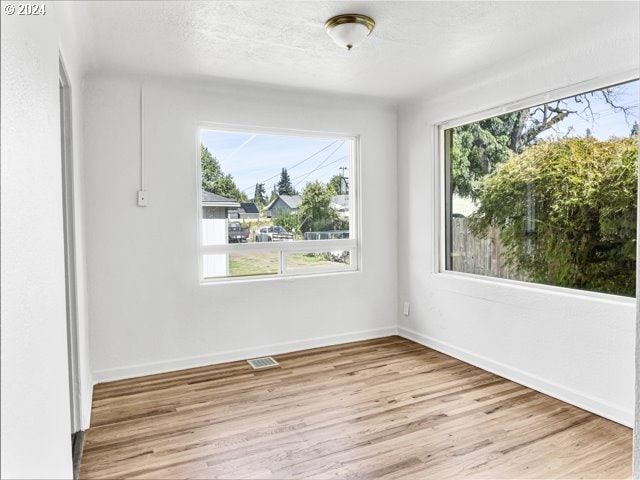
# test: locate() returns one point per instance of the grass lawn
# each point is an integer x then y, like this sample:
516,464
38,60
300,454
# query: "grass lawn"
266,263
255,263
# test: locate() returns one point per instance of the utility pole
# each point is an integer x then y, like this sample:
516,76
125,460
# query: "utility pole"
343,181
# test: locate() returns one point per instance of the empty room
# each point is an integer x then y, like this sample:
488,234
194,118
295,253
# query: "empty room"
319,239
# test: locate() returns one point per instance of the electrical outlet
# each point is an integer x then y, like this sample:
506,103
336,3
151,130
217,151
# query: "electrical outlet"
142,198
405,309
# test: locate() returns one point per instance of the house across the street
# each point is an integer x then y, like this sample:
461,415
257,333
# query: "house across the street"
217,206
215,213
249,211
340,204
285,204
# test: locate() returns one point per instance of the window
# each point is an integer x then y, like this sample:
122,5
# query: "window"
547,194
276,204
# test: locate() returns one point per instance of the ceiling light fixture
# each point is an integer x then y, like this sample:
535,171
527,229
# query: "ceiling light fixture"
349,29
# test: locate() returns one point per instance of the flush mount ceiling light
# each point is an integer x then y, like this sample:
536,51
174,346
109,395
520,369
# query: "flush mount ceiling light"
349,29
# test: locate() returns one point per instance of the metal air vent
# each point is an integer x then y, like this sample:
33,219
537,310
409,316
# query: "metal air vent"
262,363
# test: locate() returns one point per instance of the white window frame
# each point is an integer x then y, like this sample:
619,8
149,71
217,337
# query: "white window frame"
352,244
441,177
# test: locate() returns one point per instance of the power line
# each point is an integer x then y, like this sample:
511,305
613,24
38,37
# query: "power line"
317,166
322,168
322,163
294,166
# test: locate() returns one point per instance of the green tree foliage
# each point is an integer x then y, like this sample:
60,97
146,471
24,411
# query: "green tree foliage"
289,221
214,180
339,184
581,194
335,182
272,195
259,194
477,148
284,185
316,212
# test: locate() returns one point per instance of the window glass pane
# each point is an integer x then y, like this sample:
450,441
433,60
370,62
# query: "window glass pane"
216,228
258,263
264,188
278,191
340,260
548,194
241,264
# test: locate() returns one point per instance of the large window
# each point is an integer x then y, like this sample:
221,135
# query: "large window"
276,204
547,194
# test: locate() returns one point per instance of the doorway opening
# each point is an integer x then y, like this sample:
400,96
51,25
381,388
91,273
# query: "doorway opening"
66,151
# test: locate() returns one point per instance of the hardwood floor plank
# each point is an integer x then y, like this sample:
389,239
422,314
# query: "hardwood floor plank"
386,408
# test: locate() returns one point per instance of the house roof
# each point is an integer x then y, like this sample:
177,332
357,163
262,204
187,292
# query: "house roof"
340,202
249,207
215,200
292,201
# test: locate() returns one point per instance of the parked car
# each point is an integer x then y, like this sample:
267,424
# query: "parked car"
237,234
273,233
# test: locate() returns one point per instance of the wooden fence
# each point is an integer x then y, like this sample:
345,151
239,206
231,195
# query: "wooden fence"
478,255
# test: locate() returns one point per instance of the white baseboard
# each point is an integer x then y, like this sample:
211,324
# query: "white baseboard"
239,354
579,399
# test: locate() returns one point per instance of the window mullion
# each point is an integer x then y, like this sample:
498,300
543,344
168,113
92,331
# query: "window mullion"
283,263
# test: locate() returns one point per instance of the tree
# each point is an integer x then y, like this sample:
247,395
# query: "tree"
477,148
284,185
214,180
259,194
316,212
584,195
336,182
289,221
210,168
339,184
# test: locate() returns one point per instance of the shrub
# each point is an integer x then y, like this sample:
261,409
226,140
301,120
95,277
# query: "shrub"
582,196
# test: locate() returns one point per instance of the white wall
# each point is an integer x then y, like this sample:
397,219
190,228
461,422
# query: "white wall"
148,311
35,418
575,347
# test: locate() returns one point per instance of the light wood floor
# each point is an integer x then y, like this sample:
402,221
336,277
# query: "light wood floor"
385,408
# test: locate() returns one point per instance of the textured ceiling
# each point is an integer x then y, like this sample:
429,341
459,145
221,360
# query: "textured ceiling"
416,46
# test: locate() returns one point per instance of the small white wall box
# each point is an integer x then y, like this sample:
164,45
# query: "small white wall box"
142,198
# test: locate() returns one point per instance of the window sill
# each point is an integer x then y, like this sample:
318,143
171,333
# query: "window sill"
536,287
276,277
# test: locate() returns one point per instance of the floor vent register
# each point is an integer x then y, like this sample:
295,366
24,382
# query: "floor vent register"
262,363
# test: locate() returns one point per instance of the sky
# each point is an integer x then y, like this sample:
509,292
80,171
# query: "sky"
603,124
606,123
259,158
